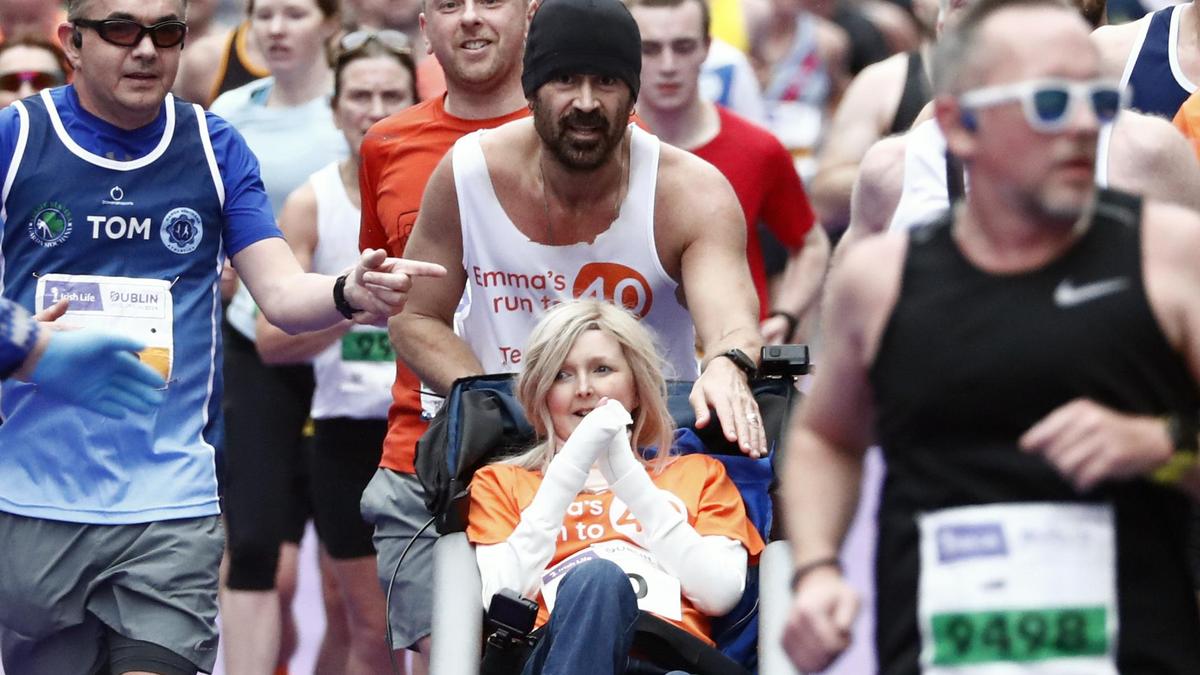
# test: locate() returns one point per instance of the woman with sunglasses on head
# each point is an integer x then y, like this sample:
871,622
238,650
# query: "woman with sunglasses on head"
374,76
28,65
288,124
565,522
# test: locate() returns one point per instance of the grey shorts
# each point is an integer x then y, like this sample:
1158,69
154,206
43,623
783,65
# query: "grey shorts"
393,503
65,586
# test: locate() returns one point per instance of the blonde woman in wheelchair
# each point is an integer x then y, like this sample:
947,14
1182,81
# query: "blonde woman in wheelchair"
592,529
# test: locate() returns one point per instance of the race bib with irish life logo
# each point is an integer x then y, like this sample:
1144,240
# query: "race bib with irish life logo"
1018,588
137,308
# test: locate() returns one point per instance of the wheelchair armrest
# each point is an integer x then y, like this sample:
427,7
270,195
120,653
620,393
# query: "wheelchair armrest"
457,608
775,598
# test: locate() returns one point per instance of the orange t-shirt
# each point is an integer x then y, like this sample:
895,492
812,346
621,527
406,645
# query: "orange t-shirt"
1187,120
499,492
398,156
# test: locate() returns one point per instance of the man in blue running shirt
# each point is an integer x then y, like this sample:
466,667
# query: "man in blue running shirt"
126,202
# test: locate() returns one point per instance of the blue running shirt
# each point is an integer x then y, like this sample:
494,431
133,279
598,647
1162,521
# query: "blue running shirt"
168,201
1153,71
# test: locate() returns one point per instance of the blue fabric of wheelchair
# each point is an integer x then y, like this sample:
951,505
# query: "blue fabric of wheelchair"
736,632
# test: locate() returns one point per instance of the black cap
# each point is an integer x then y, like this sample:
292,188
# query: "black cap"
578,37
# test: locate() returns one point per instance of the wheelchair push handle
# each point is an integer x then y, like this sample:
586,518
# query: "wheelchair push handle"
784,361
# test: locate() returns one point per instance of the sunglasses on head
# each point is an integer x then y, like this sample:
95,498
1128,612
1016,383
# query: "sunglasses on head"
129,33
37,79
1049,104
392,40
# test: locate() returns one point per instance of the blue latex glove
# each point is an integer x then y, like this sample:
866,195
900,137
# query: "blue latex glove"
99,372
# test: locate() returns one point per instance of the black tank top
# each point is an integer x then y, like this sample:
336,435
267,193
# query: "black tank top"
969,361
915,94
235,72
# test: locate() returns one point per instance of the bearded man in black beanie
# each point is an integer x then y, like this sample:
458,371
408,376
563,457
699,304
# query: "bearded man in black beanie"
579,202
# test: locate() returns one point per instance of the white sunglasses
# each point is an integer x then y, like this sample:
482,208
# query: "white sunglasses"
1048,104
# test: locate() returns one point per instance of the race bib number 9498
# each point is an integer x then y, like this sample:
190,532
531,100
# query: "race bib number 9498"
1018,636
1026,588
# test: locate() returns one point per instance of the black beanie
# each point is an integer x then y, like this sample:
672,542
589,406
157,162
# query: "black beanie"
582,37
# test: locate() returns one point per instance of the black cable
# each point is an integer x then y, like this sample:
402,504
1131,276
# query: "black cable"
387,609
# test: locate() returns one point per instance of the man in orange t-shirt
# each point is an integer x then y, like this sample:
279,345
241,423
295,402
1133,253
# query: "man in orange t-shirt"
479,47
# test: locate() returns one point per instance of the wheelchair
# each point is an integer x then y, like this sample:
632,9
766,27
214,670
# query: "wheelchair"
481,421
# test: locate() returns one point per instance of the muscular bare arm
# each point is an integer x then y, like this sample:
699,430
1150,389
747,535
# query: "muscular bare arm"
862,117
801,284
823,467
423,334
198,66
876,193
1148,156
1115,43
1170,235
710,233
298,220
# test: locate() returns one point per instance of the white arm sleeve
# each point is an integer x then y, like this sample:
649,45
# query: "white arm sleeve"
711,569
517,562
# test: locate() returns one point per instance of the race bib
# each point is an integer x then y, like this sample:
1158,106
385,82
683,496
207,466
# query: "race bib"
137,308
1018,588
657,591
371,346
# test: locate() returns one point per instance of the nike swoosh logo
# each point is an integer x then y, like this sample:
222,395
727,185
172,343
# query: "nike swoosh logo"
1067,294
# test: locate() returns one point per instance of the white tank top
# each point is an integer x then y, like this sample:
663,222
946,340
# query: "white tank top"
512,280
354,375
925,195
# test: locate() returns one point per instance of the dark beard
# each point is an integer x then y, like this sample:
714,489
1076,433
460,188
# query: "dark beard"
578,155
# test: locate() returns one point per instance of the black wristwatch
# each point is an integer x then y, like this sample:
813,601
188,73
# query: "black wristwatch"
339,298
1183,432
739,358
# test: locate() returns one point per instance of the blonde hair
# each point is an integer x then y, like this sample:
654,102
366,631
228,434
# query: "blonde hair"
545,353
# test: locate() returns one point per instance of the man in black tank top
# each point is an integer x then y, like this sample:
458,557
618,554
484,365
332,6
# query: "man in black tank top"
1029,365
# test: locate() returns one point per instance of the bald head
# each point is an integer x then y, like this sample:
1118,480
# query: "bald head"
1003,40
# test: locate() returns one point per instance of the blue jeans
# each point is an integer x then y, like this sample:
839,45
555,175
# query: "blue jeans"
591,628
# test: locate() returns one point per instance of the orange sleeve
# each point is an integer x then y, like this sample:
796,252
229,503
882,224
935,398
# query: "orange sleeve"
370,231
721,510
1186,121
494,511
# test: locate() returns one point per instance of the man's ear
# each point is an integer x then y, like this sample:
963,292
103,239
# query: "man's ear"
71,40
421,23
958,125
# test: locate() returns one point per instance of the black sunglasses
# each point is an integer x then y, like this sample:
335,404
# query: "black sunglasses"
128,33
